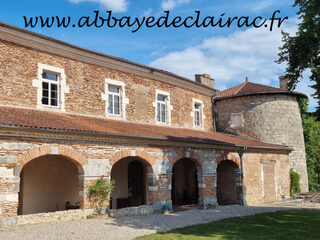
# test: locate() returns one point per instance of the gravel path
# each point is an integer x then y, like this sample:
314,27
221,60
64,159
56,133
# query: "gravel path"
126,227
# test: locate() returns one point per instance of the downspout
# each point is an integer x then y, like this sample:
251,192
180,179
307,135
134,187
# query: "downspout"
214,115
241,153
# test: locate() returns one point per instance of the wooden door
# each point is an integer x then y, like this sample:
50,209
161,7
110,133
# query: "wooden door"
226,183
269,185
135,183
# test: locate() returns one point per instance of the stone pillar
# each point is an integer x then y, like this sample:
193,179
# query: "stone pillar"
160,185
93,170
207,185
239,186
10,187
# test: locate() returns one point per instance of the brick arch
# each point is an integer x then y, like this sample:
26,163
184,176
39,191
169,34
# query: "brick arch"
194,157
44,150
66,152
229,157
142,155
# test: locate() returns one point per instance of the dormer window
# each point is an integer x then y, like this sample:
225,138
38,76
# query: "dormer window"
50,89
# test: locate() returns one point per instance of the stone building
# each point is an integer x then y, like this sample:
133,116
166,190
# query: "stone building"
266,114
69,115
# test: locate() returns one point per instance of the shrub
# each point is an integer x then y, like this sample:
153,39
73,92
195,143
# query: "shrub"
99,192
294,182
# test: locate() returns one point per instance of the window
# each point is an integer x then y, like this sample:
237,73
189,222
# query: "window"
161,109
50,89
114,95
114,100
197,115
236,120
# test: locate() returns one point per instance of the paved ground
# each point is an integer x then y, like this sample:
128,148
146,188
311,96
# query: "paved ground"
126,227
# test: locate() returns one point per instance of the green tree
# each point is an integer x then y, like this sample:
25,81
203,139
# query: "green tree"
302,51
311,132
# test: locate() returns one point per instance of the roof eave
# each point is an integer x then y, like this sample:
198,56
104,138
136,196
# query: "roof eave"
299,94
213,144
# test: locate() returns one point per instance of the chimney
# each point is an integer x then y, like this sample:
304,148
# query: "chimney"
283,82
205,79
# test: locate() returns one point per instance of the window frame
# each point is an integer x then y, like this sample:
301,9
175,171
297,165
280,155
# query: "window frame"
168,107
161,103
114,94
50,83
63,88
123,101
197,111
235,118
201,114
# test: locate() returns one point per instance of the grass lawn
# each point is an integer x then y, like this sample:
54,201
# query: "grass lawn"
293,224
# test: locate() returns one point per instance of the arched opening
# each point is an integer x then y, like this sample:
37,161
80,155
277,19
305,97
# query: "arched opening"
184,192
228,183
130,177
47,184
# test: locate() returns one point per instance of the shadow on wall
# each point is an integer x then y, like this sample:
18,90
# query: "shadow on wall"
47,183
130,177
228,183
184,183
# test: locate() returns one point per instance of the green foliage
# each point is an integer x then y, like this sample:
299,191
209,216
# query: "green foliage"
294,182
99,192
311,132
302,51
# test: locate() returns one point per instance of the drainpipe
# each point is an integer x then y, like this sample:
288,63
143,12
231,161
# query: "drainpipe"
241,152
214,115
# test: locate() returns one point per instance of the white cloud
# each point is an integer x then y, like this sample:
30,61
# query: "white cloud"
229,59
171,4
147,13
115,5
261,5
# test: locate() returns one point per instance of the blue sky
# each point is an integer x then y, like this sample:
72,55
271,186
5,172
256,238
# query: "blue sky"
227,54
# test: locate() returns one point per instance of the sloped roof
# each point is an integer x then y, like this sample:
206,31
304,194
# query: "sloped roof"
39,119
250,88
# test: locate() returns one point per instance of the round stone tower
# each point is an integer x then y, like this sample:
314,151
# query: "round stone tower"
266,114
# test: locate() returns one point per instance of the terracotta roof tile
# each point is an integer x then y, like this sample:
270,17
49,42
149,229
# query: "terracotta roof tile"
249,88
11,116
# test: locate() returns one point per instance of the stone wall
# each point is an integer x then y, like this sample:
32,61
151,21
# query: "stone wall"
270,118
94,160
255,190
86,84
46,217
